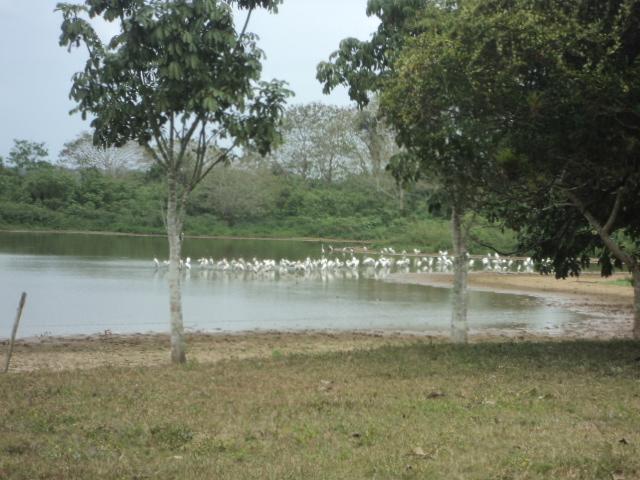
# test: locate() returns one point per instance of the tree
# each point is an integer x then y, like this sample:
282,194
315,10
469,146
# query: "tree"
182,82
26,154
447,136
558,82
113,161
48,185
238,194
440,140
377,139
543,96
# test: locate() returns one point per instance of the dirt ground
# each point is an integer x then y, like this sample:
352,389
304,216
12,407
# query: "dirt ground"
90,351
607,313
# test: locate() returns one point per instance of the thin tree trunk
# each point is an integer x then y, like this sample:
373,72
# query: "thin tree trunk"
174,228
635,272
460,273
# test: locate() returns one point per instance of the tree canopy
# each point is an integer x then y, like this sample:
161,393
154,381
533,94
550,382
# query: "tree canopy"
178,78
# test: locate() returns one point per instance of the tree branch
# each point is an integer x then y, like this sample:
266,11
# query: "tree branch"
184,141
476,240
614,212
155,156
244,29
171,135
221,158
613,247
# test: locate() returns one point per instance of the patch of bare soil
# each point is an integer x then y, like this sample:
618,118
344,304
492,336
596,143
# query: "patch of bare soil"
91,351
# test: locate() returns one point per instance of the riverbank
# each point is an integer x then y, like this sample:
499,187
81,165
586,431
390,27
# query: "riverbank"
561,410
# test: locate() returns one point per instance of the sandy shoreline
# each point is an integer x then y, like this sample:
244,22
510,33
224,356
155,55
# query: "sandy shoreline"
589,293
607,309
591,285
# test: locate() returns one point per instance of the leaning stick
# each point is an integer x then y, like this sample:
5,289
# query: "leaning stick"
23,299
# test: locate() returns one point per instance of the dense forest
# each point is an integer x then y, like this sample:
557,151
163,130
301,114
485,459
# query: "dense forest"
328,178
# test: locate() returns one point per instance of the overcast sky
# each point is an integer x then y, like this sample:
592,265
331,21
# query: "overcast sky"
35,73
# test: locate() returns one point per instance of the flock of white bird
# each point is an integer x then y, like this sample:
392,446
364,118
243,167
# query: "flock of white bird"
335,260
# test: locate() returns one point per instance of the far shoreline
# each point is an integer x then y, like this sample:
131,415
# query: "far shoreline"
203,237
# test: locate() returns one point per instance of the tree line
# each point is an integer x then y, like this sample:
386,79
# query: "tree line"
287,193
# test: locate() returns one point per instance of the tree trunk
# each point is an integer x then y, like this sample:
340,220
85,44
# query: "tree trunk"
635,272
174,229
460,273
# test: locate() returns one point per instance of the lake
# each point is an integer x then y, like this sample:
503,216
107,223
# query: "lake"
84,284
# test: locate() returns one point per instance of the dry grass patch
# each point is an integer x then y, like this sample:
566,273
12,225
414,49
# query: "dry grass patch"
500,410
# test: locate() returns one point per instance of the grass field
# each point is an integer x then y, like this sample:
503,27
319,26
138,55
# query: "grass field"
551,410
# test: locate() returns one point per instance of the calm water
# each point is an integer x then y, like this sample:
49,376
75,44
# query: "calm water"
87,284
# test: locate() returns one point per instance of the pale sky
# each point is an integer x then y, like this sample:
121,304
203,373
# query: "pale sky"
35,73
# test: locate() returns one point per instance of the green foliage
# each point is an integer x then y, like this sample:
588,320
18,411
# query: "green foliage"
48,186
232,201
236,195
171,61
563,74
362,65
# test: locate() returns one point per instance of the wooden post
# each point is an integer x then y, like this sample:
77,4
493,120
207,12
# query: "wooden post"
23,299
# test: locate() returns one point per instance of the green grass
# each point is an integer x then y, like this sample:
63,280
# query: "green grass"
487,411
621,282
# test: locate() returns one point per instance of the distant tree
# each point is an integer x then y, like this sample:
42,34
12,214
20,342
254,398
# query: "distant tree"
238,194
328,142
111,160
184,83
26,154
49,185
319,141
377,139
